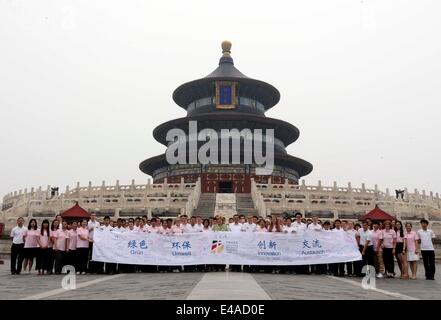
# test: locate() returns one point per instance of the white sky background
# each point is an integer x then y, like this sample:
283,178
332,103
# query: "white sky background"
84,83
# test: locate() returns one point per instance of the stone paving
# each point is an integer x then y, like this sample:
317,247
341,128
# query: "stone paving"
221,285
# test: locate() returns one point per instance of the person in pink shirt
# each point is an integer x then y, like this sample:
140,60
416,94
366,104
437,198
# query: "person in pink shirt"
142,226
72,245
155,227
411,247
388,241
54,227
167,227
83,241
261,226
61,237
377,236
399,251
44,240
30,250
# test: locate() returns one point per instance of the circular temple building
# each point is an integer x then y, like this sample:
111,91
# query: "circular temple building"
226,99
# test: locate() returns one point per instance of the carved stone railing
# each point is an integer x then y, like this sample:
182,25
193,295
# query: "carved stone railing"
193,198
256,195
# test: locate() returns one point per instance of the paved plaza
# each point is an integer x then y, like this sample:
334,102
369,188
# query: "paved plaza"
216,285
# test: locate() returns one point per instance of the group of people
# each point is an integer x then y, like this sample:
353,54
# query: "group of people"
59,243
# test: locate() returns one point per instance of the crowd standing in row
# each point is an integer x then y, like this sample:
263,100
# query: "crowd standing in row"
59,243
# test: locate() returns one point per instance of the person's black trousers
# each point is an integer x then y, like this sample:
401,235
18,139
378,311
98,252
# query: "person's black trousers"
319,268
388,259
60,260
82,258
94,266
72,259
236,267
44,260
51,260
338,269
350,268
110,268
368,258
16,258
429,263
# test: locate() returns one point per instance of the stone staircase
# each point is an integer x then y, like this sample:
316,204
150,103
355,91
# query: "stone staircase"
225,205
206,205
245,204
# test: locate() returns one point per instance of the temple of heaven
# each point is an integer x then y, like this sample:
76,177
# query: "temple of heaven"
226,99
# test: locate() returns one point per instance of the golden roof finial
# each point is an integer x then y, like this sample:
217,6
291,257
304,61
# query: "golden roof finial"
226,48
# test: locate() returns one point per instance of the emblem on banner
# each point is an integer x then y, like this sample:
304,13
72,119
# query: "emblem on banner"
217,246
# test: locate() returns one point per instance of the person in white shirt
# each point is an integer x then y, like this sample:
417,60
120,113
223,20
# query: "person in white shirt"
120,267
191,227
427,249
17,246
119,226
249,226
236,226
350,266
299,228
338,269
110,268
199,224
298,225
365,244
314,225
288,227
131,226
92,224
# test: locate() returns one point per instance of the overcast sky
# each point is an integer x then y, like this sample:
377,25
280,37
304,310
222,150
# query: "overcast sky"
83,84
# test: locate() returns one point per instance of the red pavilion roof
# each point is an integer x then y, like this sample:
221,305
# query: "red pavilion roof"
75,212
377,214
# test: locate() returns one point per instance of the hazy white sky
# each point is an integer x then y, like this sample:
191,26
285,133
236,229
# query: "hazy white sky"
83,83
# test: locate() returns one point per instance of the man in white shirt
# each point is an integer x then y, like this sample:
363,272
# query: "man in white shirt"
288,227
199,225
119,226
109,267
190,227
427,249
298,225
338,269
131,226
299,228
350,266
236,226
106,225
17,246
314,225
92,224
365,245
249,226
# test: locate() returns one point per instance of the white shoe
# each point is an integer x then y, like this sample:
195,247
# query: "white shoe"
379,275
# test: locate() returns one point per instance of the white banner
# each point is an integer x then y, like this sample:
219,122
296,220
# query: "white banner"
241,248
